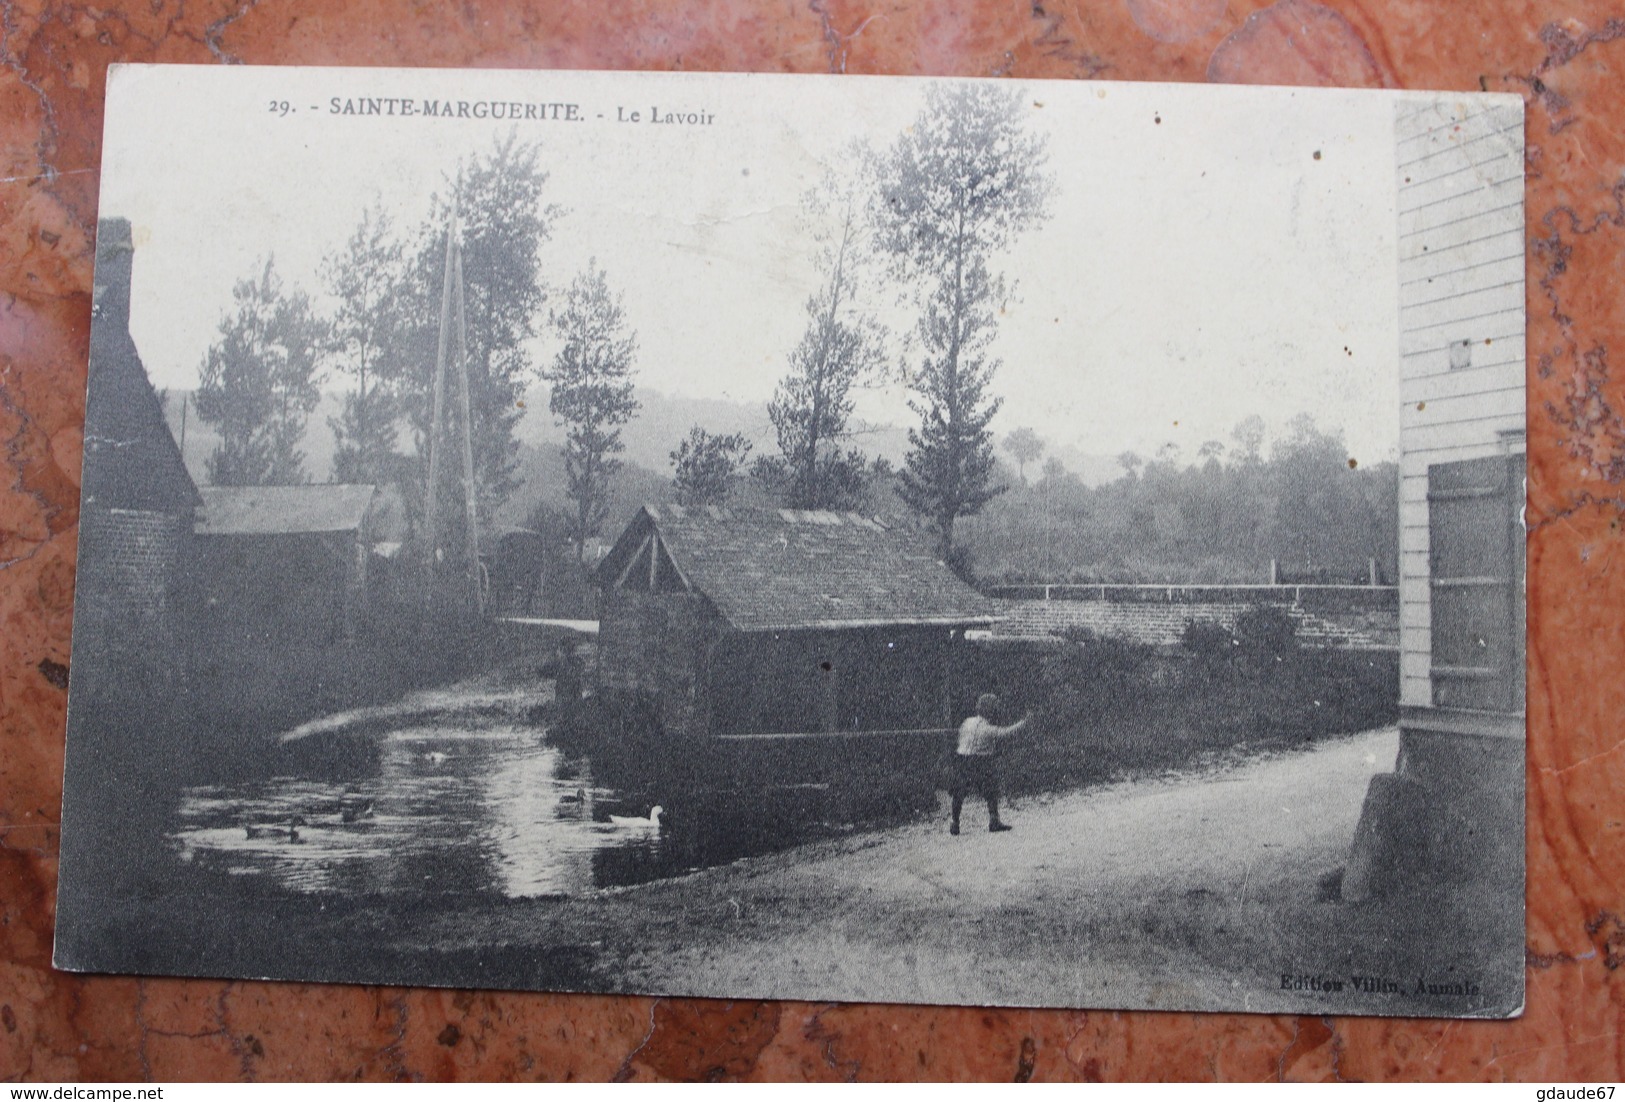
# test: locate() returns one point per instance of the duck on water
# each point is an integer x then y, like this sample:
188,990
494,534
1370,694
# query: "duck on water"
276,830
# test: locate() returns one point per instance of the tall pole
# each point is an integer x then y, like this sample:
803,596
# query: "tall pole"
470,494
430,523
1048,573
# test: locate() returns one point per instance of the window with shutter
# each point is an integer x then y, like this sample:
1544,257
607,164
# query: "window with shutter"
1476,565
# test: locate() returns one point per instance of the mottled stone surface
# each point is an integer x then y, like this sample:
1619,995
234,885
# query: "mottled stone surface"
1563,56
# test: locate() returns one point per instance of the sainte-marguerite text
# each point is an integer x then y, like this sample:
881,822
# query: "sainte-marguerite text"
515,110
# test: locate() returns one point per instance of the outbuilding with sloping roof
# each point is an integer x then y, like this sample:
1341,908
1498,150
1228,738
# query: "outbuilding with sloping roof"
275,564
779,622
284,510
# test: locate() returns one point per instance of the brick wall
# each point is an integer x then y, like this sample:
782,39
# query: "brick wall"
1159,616
125,611
130,564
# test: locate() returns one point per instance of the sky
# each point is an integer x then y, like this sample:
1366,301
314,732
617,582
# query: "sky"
1211,252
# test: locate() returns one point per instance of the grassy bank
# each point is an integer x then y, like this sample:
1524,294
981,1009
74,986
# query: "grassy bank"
1103,708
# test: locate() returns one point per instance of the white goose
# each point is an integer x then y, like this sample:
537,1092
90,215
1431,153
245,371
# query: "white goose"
634,822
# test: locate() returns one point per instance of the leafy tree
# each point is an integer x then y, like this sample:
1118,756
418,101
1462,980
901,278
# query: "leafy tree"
843,480
706,465
1024,446
503,223
956,188
367,278
1249,437
840,349
591,380
1310,480
259,381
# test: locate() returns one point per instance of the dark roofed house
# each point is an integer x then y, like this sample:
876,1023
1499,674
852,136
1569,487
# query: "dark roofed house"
131,461
282,562
137,499
780,622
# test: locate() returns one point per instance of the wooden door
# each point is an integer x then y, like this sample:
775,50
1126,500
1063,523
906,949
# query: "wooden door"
1476,571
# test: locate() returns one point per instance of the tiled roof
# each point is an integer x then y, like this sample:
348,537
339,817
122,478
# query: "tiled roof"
769,570
282,510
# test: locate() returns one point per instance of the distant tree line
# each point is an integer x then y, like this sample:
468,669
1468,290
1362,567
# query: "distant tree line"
1220,518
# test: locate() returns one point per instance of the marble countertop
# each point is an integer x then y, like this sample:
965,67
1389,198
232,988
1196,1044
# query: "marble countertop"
1562,56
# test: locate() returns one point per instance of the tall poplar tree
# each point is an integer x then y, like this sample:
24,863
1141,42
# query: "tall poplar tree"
842,346
957,188
260,381
367,278
503,222
591,380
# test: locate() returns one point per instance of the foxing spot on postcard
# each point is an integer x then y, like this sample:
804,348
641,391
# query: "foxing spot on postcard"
994,542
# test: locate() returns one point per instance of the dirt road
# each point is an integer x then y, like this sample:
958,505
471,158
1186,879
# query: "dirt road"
1192,891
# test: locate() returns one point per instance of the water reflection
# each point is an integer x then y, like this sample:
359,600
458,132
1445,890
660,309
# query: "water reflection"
449,810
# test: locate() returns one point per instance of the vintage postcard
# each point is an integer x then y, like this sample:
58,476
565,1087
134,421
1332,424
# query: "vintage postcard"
970,541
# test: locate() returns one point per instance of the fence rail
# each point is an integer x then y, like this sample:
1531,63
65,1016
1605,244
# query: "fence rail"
1102,592
802,736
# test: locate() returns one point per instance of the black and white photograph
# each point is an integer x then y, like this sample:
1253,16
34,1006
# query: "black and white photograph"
985,542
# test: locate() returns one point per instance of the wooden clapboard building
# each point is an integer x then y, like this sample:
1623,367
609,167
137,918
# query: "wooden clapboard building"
1455,801
754,623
